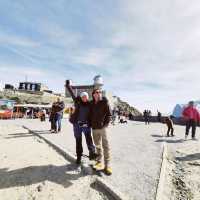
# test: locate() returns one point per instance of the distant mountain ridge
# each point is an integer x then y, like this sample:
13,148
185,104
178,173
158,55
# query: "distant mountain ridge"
126,107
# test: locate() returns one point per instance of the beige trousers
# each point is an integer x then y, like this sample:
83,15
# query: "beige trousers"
102,145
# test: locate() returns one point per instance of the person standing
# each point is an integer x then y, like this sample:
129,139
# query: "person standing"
42,115
170,126
81,123
192,117
59,107
100,118
145,115
159,115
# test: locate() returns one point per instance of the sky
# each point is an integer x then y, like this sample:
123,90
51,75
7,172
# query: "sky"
147,51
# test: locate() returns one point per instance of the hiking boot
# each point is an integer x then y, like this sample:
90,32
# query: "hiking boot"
98,166
53,131
108,171
78,160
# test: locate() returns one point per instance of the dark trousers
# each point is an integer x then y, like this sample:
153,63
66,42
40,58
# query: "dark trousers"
146,119
52,125
78,130
191,123
170,129
53,122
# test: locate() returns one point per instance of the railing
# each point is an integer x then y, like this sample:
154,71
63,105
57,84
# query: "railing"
153,119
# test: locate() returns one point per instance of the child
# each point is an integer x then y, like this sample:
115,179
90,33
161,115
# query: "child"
170,126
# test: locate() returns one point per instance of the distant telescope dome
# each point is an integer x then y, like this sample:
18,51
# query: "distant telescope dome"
98,80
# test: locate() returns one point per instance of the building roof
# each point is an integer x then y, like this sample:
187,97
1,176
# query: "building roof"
27,82
83,87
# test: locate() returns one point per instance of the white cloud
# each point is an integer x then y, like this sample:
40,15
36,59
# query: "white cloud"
94,56
12,39
57,35
147,51
13,74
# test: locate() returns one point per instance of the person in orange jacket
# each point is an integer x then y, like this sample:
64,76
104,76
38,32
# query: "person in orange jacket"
192,117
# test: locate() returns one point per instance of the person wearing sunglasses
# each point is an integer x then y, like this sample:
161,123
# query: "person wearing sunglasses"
100,117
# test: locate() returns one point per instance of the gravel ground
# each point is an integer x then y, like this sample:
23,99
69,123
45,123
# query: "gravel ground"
136,155
184,163
32,170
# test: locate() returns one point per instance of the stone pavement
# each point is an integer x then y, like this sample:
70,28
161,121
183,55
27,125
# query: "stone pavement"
136,152
32,170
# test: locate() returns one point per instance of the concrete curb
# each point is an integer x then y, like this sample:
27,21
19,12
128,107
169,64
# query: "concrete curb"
113,192
160,186
70,157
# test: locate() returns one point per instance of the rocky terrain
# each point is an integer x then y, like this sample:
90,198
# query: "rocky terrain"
32,170
125,106
48,98
35,98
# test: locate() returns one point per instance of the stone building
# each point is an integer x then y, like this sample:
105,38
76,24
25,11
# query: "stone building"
32,86
77,89
80,88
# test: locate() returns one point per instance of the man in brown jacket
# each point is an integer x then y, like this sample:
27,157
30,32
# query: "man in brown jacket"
100,116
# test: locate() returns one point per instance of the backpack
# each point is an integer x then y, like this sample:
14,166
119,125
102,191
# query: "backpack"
72,118
73,115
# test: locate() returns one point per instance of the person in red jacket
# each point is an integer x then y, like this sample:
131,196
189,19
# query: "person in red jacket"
192,117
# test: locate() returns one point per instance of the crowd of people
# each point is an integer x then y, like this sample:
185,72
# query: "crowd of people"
32,112
92,118
190,115
119,116
147,115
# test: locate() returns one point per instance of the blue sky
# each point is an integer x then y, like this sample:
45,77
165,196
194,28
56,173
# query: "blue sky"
146,51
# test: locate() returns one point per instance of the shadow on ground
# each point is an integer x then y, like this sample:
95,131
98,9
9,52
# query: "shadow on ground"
190,157
102,190
29,134
170,140
156,135
62,175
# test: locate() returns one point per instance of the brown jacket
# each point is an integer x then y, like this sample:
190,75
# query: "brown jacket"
100,114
